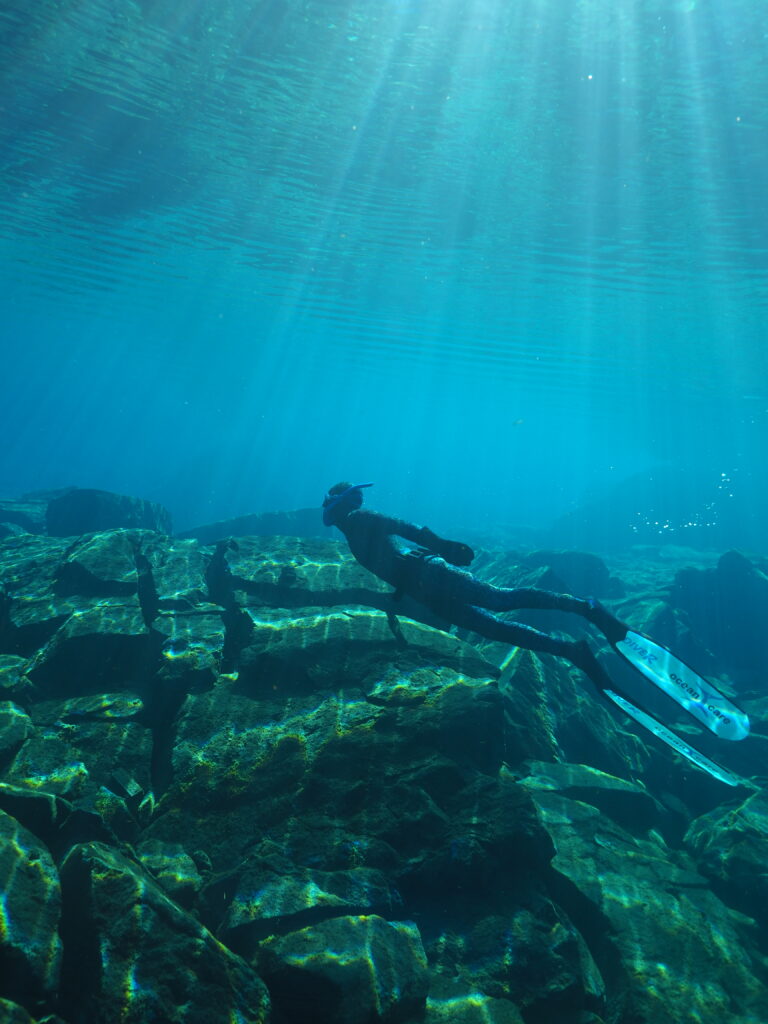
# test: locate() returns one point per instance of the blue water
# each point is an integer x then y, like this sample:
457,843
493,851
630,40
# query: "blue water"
496,255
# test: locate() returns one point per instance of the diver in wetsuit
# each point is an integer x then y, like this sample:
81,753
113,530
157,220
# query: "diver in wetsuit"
429,573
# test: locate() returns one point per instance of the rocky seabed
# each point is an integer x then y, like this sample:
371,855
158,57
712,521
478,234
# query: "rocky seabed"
236,789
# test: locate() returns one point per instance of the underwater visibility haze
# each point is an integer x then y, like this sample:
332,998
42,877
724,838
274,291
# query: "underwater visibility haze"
498,257
497,268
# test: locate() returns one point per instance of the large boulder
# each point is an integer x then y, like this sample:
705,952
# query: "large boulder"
31,608
274,897
653,927
731,847
582,572
85,510
303,522
536,958
740,585
380,978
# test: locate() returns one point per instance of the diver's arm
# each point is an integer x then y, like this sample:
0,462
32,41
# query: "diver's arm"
451,550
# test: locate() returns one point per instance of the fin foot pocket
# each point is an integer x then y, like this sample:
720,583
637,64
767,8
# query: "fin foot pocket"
613,629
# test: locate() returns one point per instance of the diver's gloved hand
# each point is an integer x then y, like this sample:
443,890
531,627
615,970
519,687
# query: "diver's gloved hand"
452,551
455,552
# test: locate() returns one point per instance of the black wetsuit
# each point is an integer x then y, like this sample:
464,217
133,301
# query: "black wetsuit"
457,596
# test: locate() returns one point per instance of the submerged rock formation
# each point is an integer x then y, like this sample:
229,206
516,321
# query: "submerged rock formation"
75,510
236,787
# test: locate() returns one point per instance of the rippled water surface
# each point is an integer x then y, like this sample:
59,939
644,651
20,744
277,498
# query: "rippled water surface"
457,243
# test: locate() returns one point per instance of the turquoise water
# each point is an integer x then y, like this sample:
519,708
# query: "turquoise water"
496,256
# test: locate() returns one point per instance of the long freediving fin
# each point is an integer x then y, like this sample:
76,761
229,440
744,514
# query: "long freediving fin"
648,721
673,740
686,687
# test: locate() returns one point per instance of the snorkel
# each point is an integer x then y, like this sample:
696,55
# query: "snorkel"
352,496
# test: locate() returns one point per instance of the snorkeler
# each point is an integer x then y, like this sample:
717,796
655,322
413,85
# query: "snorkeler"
432,574
429,573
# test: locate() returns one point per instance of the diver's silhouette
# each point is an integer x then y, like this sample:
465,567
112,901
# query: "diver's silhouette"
429,573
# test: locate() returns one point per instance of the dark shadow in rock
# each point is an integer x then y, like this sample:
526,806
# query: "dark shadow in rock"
40,812
592,924
147,592
81,963
163,706
292,1001
30,944
25,641
88,664
73,580
261,675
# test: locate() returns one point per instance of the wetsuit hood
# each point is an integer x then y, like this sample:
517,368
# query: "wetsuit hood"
332,501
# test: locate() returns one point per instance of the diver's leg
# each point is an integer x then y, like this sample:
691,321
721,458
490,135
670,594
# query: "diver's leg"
613,629
501,599
437,580
481,621
527,597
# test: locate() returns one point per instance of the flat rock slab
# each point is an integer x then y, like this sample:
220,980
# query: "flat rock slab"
101,564
627,803
173,868
14,683
178,570
100,646
75,758
32,609
288,572
347,647
451,1001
